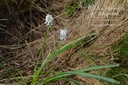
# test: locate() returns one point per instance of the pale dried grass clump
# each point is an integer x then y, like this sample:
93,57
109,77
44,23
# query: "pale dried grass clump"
99,50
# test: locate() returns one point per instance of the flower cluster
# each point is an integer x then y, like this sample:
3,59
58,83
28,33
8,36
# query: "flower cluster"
63,34
48,20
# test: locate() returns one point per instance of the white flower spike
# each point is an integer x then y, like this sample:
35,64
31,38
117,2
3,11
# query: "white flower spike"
48,20
63,34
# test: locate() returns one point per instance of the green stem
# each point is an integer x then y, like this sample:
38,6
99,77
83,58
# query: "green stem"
36,73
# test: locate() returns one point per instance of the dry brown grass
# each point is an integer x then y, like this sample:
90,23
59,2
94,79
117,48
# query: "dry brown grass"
25,55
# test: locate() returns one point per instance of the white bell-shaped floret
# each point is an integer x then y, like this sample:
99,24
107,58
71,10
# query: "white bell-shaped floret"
63,34
48,20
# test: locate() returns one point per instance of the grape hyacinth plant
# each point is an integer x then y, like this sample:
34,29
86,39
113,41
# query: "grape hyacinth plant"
48,22
64,75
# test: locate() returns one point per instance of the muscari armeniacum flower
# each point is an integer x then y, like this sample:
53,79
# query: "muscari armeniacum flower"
48,20
63,34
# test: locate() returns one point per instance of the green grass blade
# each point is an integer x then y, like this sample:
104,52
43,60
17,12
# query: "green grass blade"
55,77
40,53
94,76
39,56
8,62
97,67
54,54
87,75
80,72
1,65
66,79
65,47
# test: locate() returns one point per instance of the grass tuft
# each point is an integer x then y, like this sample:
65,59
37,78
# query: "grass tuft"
121,50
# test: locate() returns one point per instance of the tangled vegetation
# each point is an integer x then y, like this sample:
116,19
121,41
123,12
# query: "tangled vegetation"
92,49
